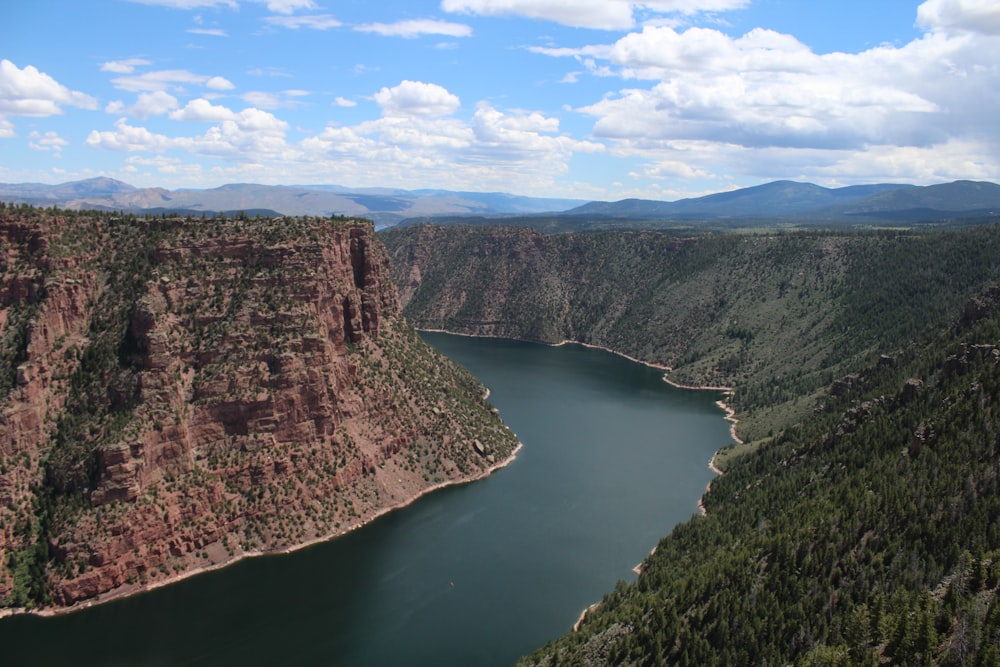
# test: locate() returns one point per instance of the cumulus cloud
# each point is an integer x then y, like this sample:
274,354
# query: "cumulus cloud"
128,138
416,28
6,129
201,110
247,135
219,83
598,14
977,16
48,141
495,149
29,92
416,98
155,103
344,102
767,90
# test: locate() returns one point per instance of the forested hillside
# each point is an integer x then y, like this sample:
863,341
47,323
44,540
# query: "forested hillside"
861,528
866,535
778,316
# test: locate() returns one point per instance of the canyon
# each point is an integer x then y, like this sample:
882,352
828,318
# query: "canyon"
178,393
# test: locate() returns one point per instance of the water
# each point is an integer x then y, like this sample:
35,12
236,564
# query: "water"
480,574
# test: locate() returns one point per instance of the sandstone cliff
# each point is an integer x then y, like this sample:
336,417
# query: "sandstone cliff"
177,393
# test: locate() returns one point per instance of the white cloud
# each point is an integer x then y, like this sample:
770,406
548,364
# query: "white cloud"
266,100
416,98
313,22
126,66
262,99
211,32
268,71
28,92
6,129
201,110
128,138
47,141
493,150
768,89
288,6
598,14
219,83
977,16
243,136
416,28
170,79
155,103
344,102
524,137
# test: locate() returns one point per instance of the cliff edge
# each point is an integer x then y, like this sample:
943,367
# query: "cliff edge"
177,393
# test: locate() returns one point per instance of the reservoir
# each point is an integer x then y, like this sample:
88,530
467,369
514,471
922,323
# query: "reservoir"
478,574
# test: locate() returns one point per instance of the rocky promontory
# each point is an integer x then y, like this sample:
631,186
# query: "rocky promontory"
176,393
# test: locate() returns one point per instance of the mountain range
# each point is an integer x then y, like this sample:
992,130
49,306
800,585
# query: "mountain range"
789,201
789,198
384,206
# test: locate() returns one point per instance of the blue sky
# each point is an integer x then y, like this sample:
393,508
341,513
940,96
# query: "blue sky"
593,99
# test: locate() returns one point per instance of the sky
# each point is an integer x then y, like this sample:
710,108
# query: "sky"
588,99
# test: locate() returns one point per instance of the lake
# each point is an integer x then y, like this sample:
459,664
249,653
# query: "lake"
478,574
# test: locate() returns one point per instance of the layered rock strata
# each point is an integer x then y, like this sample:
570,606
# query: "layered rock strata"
177,393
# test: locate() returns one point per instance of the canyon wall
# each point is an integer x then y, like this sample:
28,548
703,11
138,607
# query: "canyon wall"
777,316
177,393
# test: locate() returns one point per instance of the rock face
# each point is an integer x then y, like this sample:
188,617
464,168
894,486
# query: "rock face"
175,394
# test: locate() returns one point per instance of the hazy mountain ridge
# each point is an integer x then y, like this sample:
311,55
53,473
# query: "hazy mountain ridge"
790,198
782,202
385,206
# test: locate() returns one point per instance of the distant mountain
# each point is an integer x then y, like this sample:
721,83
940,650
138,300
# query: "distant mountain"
782,201
386,206
789,198
91,187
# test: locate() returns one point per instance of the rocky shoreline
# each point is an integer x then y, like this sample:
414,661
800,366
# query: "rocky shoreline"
136,589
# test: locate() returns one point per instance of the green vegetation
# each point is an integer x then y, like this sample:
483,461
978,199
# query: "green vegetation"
860,525
174,383
779,316
866,535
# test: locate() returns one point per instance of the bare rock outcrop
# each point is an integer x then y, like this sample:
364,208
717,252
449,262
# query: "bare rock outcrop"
180,393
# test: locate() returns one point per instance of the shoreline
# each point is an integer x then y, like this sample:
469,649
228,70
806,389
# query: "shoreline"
127,591
730,416
730,413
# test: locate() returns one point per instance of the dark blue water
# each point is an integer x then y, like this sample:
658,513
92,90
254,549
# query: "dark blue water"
480,574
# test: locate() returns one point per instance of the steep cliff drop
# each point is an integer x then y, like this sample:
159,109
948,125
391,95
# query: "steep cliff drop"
177,393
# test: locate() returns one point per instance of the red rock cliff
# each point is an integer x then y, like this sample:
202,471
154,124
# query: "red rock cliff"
180,393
